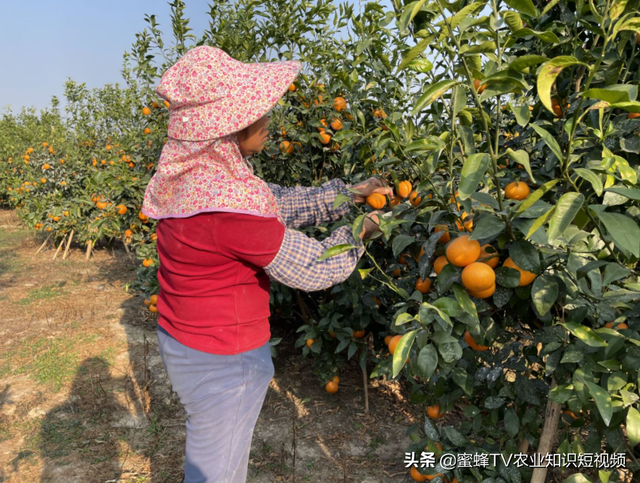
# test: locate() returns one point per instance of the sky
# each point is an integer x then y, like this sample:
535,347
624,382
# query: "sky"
45,42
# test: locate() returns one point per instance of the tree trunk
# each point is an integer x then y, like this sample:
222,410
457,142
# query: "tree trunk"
548,437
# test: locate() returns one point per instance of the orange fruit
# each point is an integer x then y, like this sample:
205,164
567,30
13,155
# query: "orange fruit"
432,477
525,277
570,413
472,343
387,339
483,294
416,475
65,213
147,262
324,123
376,201
413,197
336,379
492,259
439,264
358,334
434,411
468,225
336,124
333,336
153,309
339,104
147,130
121,209
292,87
45,166
318,101
375,299
146,111
286,147
379,113
101,205
423,286
396,200
325,138
396,272
43,180
620,326
445,235
633,115
331,387
462,251
402,260
393,343
128,233
478,277
167,104
516,191
155,105
476,84
154,299
310,342
404,189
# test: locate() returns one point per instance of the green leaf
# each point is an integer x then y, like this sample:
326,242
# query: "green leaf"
614,272
358,225
523,6
402,352
545,35
526,61
623,230
414,53
427,361
521,157
507,277
585,334
632,106
336,250
429,143
488,227
513,21
525,256
468,11
633,426
603,401
454,436
472,173
617,9
511,422
577,478
433,93
548,74
522,113
631,193
464,300
420,65
424,308
549,6
612,94
544,293
408,14
566,210
592,178
530,200
549,140
401,242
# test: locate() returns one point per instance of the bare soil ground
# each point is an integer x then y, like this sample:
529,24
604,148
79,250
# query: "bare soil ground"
84,395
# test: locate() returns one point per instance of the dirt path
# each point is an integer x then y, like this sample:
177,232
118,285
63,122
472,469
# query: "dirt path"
84,395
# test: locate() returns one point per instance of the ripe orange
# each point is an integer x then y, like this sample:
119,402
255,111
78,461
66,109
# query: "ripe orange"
439,264
324,123
65,213
404,189
462,251
516,191
331,387
492,259
633,115
432,477
292,87
434,411
325,138
468,225
336,379
339,104
476,84
620,326
146,111
56,218
484,293
402,260
423,286
358,334
472,343
387,339
153,299
147,130
379,113
413,197
310,342
155,105
416,475
525,277
318,101
128,233
43,180
286,147
45,166
445,235
333,336
393,343
336,124
478,277
375,299
101,205
376,201
121,209
397,272
153,309
396,200
147,262
167,104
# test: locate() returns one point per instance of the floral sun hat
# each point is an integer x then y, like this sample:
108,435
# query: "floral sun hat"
213,96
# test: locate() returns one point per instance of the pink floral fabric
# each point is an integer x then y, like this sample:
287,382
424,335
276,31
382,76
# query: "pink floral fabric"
212,97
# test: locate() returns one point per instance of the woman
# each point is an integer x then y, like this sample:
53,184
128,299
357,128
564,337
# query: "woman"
223,234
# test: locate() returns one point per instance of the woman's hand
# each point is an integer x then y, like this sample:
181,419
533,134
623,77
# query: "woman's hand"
367,187
371,224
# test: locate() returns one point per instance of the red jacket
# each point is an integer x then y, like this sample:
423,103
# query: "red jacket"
214,294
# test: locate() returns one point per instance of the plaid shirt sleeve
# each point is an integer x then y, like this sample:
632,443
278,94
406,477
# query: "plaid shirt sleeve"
302,206
295,265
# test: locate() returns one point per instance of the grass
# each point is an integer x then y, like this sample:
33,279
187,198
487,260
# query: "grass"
45,292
